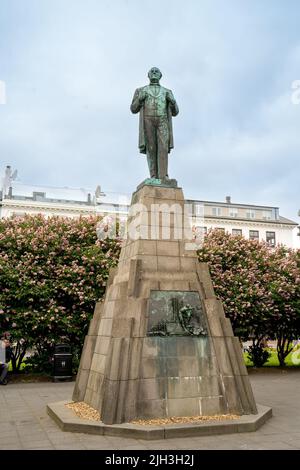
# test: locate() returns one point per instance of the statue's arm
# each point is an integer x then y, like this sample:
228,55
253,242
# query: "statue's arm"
172,103
136,102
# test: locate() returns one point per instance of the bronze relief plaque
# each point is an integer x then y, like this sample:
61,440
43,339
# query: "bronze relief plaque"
175,313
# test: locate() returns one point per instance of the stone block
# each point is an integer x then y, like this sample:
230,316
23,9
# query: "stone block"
194,284
174,285
205,279
105,327
152,367
118,291
246,395
146,288
235,355
102,345
88,395
183,251
212,312
210,386
208,366
146,232
204,347
80,385
109,401
95,381
239,356
231,396
153,389
188,264
183,407
193,386
149,262
125,356
122,327
222,355
98,363
167,248
213,406
185,346
117,364
95,399
182,366
144,247
133,369
87,352
183,387
168,263
150,347
226,326
108,309
134,277
151,408
165,193
137,308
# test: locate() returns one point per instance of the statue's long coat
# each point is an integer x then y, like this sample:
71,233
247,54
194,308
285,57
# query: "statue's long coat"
136,107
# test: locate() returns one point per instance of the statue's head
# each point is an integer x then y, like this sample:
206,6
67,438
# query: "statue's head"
154,75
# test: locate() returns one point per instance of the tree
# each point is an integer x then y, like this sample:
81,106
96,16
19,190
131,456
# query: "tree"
52,271
257,286
284,285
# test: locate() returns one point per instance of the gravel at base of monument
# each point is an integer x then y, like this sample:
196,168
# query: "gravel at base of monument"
84,411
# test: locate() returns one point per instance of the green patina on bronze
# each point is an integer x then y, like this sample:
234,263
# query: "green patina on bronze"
176,313
156,106
163,183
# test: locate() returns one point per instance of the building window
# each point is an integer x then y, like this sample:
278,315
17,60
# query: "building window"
270,238
267,215
250,214
216,210
253,234
233,212
199,210
199,232
237,231
189,209
220,229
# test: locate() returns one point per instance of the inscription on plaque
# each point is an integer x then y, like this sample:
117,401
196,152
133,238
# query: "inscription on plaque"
175,313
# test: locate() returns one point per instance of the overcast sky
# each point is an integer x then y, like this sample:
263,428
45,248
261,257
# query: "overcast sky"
71,68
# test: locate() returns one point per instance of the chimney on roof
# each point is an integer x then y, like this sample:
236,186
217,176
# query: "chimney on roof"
228,199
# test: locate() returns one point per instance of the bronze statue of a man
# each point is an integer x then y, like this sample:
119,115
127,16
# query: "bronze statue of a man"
156,105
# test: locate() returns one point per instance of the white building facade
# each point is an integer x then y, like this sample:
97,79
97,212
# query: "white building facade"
263,223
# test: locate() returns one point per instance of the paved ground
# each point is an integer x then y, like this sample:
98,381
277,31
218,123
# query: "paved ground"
24,423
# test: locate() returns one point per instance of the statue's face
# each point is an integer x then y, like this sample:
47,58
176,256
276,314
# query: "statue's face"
154,74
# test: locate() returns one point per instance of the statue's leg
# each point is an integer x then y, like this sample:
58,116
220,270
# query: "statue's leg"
162,147
151,145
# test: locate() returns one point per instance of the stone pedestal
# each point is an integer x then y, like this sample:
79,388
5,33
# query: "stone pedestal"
159,344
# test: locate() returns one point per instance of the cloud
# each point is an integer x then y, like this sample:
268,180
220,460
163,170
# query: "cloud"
71,69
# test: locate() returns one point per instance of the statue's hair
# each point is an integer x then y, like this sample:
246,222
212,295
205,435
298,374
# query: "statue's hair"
152,69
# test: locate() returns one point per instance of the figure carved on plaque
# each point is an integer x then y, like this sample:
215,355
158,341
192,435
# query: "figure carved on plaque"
156,106
174,316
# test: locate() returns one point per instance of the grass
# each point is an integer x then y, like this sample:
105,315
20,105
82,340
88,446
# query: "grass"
273,360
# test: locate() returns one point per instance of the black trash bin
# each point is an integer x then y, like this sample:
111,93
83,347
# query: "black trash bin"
62,362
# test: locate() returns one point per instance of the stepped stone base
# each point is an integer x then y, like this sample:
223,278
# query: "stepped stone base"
68,421
159,345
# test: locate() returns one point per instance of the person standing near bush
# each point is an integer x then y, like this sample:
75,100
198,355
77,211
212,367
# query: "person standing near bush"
5,339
